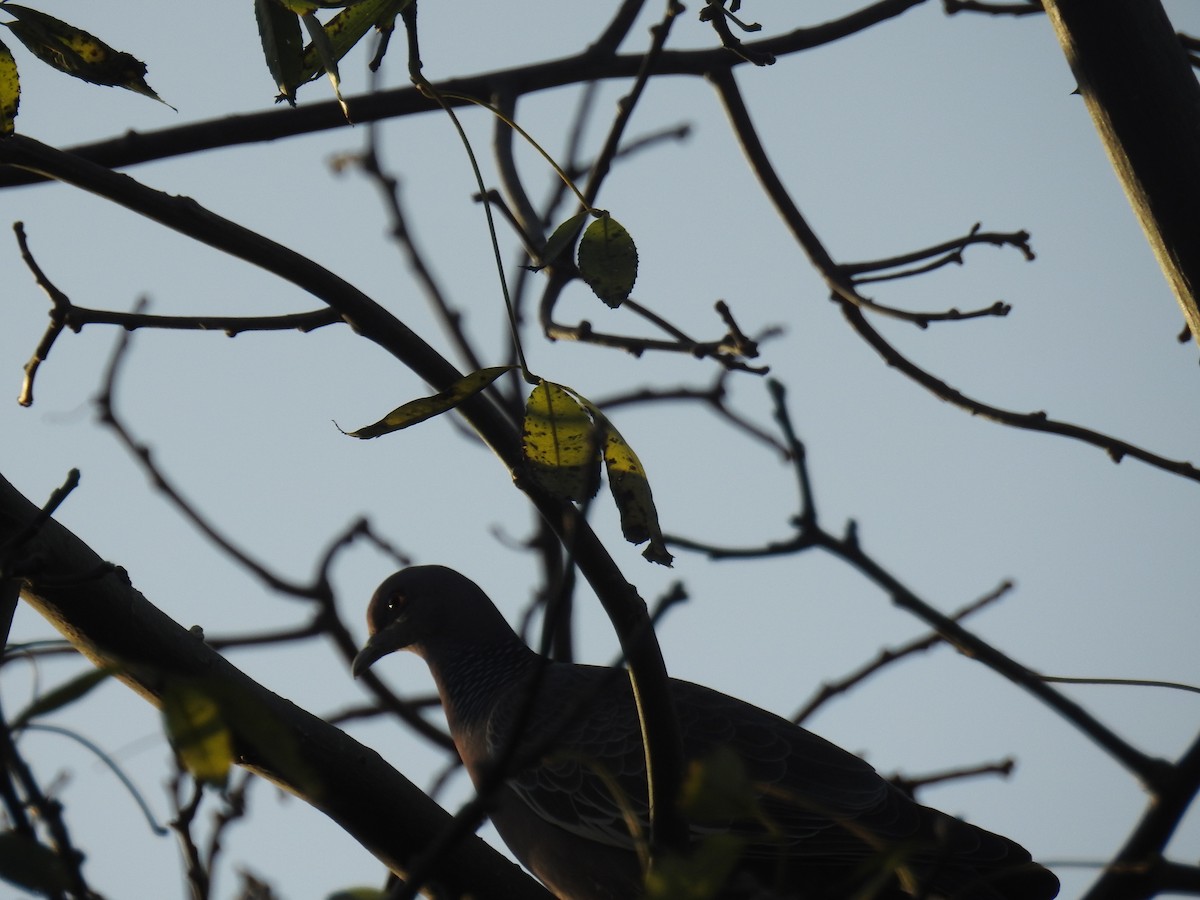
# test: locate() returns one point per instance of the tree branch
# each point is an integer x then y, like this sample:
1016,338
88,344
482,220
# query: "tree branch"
1143,98
138,147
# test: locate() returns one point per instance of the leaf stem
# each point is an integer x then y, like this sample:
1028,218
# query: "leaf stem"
430,91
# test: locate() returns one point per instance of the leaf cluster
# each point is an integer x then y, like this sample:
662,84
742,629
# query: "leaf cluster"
292,63
564,439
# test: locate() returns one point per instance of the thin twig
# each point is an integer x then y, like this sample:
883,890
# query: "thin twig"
714,397
910,785
889,655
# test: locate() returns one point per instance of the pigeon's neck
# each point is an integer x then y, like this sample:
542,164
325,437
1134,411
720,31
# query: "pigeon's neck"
473,677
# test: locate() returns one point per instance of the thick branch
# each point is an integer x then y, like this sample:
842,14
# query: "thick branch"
109,621
1139,88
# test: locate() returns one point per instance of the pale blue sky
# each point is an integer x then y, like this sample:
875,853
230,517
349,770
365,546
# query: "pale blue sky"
898,138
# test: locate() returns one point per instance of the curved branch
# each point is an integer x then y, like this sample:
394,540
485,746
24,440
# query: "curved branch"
1116,448
853,304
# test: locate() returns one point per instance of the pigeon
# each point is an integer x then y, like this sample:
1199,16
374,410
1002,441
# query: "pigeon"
781,813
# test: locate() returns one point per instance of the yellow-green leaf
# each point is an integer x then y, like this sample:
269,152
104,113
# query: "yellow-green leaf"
427,407
345,30
209,721
328,62
698,875
10,90
717,789
76,52
631,492
62,695
608,260
197,730
560,443
563,236
283,45
254,725
31,865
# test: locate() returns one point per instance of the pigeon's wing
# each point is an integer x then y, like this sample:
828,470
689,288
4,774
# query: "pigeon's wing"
806,796
809,806
825,808
815,798
579,734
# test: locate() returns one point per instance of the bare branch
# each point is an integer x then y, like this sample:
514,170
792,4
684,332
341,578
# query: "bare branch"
889,655
229,131
1029,7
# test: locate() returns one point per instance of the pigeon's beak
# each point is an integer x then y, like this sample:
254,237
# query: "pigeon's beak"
375,649
394,636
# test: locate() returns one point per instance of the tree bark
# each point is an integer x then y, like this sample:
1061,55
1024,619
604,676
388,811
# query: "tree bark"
105,618
1139,88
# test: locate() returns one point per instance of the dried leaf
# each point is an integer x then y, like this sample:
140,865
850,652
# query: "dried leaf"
631,492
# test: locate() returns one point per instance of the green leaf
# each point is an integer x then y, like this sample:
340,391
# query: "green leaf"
253,723
283,45
197,730
61,696
717,789
31,865
10,90
427,407
608,260
564,235
699,875
207,720
76,52
560,443
328,62
345,30
631,492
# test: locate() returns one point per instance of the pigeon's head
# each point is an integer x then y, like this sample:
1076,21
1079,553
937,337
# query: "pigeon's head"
416,607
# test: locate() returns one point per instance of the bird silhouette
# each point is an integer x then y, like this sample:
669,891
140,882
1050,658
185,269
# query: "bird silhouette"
804,819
